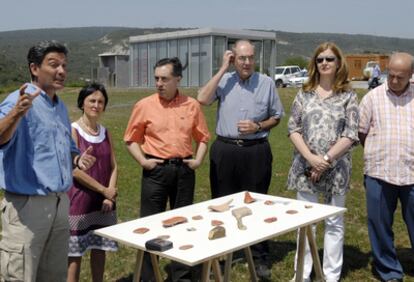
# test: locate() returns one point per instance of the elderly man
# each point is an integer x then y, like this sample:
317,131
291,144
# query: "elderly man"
248,107
159,137
37,155
386,132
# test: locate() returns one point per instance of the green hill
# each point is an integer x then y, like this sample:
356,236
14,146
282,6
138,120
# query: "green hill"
86,43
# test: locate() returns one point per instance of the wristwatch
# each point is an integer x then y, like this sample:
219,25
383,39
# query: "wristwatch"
259,127
327,158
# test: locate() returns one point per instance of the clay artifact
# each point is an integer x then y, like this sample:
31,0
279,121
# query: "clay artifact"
248,198
191,229
220,208
216,222
185,247
164,237
141,230
308,206
174,221
197,217
269,203
291,211
239,213
270,219
217,232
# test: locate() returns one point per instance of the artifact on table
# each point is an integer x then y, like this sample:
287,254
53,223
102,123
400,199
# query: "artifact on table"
191,229
215,222
222,207
186,247
141,230
158,244
164,237
174,221
217,232
291,211
239,213
270,219
308,206
269,203
197,217
248,198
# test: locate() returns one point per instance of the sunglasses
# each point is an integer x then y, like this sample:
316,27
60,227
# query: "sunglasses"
320,60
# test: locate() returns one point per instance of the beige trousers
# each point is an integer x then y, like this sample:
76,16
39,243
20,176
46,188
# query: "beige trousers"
35,232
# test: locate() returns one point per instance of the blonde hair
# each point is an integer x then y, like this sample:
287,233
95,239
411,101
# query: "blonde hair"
341,83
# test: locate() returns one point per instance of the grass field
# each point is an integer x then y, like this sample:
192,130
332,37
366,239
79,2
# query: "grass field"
357,261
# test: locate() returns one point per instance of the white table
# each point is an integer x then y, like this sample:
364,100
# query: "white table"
208,251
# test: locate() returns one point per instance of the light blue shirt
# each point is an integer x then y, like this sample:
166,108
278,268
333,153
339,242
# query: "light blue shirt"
254,99
37,159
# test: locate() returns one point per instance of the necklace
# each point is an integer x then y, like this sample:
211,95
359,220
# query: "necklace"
89,129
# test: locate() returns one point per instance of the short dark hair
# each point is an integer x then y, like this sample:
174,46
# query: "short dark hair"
90,89
175,62
38,52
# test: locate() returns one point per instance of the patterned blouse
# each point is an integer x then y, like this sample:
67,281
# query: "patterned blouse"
321,122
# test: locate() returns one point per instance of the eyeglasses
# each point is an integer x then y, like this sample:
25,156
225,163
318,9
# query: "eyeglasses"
245,58
330,59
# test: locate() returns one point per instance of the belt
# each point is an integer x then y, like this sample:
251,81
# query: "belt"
242,142
172,161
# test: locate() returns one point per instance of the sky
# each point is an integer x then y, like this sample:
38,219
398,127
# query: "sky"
380,17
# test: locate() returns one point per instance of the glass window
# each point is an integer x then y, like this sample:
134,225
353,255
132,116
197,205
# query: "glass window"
151,63
183,56
161,50
219,46
194,61
172,48
205,60
143,64
267,52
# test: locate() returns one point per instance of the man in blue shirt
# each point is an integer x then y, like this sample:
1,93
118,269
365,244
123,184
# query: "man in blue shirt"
37,155
248,107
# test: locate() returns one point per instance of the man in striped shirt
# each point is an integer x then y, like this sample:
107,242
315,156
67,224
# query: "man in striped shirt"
386,131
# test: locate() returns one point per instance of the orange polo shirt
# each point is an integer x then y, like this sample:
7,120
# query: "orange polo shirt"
165,129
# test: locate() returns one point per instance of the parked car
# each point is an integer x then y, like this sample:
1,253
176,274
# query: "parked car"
299,79
369,67
284,73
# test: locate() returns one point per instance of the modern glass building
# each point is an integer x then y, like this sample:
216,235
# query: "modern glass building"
200,51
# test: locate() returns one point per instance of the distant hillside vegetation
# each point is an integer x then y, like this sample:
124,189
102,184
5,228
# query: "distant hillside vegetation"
86,43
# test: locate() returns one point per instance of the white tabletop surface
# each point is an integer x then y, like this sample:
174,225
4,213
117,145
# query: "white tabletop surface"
205,249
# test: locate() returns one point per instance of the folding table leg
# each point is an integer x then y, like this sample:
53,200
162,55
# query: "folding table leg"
217,271
301,255
156,268
250,263
315,256
138,266
205,274
227,267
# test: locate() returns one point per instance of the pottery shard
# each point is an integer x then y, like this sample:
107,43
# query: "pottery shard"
141,230
216,222
186,247
174,221
270,219
239,213
248,198
197,217
164,237
222,207
269,203
291,211
308,206
217,232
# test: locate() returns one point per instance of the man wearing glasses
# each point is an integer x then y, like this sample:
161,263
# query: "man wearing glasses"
248,107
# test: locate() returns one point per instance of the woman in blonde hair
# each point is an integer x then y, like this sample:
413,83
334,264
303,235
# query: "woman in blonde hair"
323,127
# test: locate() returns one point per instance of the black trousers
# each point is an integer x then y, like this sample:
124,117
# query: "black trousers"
235,168
166,182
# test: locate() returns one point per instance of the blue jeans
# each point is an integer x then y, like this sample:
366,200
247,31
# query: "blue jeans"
382,199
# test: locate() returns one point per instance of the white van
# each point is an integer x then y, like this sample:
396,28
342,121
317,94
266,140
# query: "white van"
284,73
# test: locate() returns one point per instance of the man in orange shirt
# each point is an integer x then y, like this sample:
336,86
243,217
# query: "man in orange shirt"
159,137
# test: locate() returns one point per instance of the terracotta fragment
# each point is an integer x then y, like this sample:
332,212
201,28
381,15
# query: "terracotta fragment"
186,247
174,221
197,217
291,211
217,232
164,237
270,219
222,207
216,222
248,198
141,230
239,213
308,206
269,203
191,229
